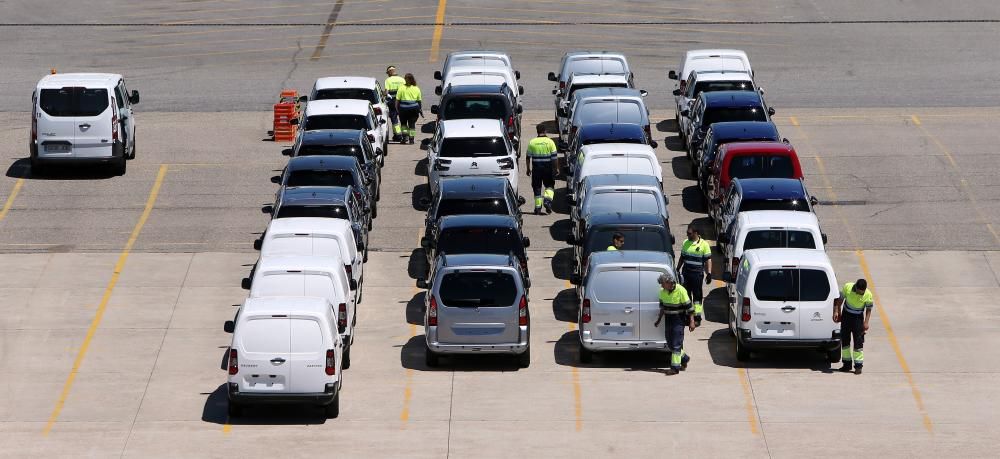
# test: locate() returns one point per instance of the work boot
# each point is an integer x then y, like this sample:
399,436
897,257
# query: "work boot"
697,321
538,210
857,370
548,207
397,138
684,362
411,140
671,371
845,369
402,139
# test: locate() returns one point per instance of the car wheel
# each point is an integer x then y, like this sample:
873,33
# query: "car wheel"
120,166
333,409
371,224
430,358
586,356
524,359
374,212
132,154
37,168
346,357
365,259
833,356
234,409
694,171
742,353
385,148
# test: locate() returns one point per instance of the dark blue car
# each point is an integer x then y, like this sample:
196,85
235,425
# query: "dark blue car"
722,106
604,133
745,195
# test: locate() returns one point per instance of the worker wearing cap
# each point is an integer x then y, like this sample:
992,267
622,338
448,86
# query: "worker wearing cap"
541,157
409,105
392,84
675,305
695,263
617,241
854,311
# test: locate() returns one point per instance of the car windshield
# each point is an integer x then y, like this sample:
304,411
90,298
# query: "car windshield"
332,150
774,204
579,86
354,122
596,66
637,202
74,101
486,107
610,112
710,86
465,147
497,241
309,177
761,166
321,211
347,93
470,289
650,238
719,115
492,206
771,238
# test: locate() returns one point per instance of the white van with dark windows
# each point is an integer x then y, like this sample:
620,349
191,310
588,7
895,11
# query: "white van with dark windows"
82,118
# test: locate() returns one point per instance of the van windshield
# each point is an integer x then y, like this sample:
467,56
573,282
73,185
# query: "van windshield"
321,211
774,204
473,146
709,86
309,177
353,122
610,112
791,284
74,101
477,289
497,241
718,115
596,66
332,150
472,206
468,107
770,238
347,93
650,238
761,166
637,202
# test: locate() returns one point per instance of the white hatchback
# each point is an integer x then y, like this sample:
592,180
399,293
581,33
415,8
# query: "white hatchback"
470,147
354,87
345,114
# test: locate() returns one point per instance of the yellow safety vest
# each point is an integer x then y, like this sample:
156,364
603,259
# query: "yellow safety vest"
677,301
611,247
393,83
855,303
695,255
408,93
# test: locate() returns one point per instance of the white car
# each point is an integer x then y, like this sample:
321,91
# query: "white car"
354,87
591,63
285,350
82,118
323,277
459,76
707,81
768,229
699,60
577,82
614,158
345,114
470,147
784,300
476,58
321,237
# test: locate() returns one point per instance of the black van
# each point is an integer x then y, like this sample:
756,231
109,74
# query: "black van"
476,234
495,102
641,231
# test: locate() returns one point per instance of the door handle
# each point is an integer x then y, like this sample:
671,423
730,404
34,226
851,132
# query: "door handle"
628,310
277,360
85,125
788,308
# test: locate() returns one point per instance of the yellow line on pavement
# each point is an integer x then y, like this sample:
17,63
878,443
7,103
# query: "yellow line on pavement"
748,401
10,198
577,398
404,414
883,316
119,266
438,30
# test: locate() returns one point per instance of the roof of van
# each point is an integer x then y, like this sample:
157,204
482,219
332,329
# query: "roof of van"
696,53
267,305
617,148
620,179
322,162
345,82
473,187
478,221
476,259
337,107
630,256
587,78
723,75
60,80
611,131
300,263
625,218
771,188
606,91
312,225
314,195
788,257
332,137
472,128
777,219
476,79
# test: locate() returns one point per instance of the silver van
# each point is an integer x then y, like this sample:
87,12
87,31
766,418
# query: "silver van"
605,105
620,302
477,304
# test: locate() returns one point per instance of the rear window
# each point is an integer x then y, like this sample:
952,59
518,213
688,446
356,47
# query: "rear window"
622,201
306,336
74,101
320,178
761,166
467,147
718,115
618,286
472,206
792,284
294,211
618,165
799,205
610,112
347,93
771,238
635,239
611,139
814,285
477,289
353,122
485,107
334,150
577,87
498,241
709,86
596,66
266,335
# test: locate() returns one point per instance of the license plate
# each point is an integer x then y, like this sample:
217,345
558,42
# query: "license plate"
57,148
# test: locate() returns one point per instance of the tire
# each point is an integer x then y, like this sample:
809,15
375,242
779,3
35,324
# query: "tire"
37,168
742,353
365,259
833,356
132,154
234,409
385,148
121,166
430,358
524,359
586,355
732,320
371,223
374,212
346,357
694,172
333,409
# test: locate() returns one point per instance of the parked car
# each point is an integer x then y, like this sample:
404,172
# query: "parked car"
699,60
745,160
582,82
589,62
625,198
768,229
473,195
641,231
358,88
335,171
761,194
324,202
486,234
470,147
345,114
619,302
477,304
476,58
285,350
478,76
497,102
722,133
82,118
606,105
784,300
719,106
612,158
708,81
603,133
339,142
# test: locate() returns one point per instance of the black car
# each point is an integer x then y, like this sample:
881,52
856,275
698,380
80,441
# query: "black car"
341,142
642,232
479,234
318,171
482,195
720,106
496,102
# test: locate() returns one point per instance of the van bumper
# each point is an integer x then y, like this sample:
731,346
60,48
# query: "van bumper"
473,348
117,153
604,345
825,344
258,398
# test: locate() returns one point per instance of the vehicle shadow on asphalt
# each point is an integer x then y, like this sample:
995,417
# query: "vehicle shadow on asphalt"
567,353
561,229
693,201
681,167
417,267
415,309
428,127
667,125
722,348
564,306
411,356
674,143
215,412
420,197
21,169
562,263
420,168
559,202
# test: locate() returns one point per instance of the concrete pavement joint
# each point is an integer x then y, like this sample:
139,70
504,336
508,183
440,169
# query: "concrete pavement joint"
327,29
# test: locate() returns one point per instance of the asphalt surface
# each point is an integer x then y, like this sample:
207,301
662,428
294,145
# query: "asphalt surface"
113,290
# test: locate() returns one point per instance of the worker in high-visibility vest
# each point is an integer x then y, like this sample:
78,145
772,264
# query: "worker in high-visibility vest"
409,105
854,311
617,241
541,158
392,84
675,305
695,263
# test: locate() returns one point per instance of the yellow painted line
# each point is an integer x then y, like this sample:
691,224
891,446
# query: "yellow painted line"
915,120
10,198
119,266
794,120
577,391
227,427
752,416
438,30
884,317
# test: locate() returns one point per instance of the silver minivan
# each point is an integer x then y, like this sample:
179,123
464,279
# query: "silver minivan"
477,304
620,302
606,105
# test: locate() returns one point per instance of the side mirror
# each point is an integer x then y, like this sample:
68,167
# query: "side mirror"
653,144
770,111
425,144
434,110
519,109
437,75
287,152
552,77
426,243
245,283
354,284
381,121
437,90
276,179
527,242
555,91
643,92
134,98
422,284
257,244
521,200
685,112
371,137
293,121
727,278
561,112
267,210
672,75
517,74
575,279
823,236
520,90
677,92
813,200
229,326
571,240
303,98
785,141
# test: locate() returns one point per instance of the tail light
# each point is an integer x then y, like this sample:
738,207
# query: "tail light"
331,362
371,137
357,195
745,312
378,110
735,267
505,164
442,164
510,126
234,362
349,270
585,310
432,312
562,85
522,311
342,317
34,125
114,122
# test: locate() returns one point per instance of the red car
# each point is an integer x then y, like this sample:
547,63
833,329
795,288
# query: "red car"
751,160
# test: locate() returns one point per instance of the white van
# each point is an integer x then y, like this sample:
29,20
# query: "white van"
82,118
285,350
620,302
784,300
767,229
323,277
321,237
614,158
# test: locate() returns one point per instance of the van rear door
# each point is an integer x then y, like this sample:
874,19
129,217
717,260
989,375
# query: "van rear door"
478,306
649,303
264,345
56,121
307,355
774,311
94,123
614,308
816,293
323,285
